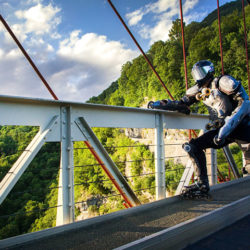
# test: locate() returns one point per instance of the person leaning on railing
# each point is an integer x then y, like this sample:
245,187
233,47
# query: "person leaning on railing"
229,109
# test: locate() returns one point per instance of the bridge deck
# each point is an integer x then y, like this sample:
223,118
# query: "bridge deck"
117,229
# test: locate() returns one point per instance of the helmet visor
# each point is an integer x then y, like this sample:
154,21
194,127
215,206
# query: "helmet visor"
200,73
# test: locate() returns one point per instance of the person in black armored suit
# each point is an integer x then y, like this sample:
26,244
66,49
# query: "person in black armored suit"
229,110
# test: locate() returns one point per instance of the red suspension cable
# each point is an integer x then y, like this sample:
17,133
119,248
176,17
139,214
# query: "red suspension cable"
139,47
221,51
184,55
28,57
245,38
128,203
152,67
183,45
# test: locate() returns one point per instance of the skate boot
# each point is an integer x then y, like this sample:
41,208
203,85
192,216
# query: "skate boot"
244,171
198,190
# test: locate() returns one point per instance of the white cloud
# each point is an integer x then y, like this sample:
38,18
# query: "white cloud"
160,31
93,63
163,5
83,66
1,53
79,65
39,19
94,49
163,12
135,17
17,78
50,48
76,67
189,5
14,54
32,1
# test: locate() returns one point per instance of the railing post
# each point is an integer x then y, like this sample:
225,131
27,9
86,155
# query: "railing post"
231,162
65,211
159,159
213,180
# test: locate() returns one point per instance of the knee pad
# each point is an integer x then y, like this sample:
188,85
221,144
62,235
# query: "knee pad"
190,148
198,158
192,151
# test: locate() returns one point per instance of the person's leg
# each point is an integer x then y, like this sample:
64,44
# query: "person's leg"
242,132
195,148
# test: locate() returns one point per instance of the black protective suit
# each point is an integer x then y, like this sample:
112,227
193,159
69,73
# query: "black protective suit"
229,104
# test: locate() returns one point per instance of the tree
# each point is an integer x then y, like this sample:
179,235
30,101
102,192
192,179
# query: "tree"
175,33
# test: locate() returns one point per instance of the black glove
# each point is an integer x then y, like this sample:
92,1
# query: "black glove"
157,104
170,105
218,123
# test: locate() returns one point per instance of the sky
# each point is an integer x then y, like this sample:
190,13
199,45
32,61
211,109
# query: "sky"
79,46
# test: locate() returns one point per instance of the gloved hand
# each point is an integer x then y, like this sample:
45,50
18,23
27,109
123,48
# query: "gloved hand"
217,141
157,104
218,123
170,105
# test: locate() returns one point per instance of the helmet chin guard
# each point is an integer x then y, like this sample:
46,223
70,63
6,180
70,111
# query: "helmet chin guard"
202,71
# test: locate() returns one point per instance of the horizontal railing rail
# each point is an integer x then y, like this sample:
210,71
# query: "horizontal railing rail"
71,122
36,112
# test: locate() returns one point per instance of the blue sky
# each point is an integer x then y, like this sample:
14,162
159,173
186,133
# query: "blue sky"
80,46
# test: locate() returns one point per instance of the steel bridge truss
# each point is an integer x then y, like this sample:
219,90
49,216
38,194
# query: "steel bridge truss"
66,122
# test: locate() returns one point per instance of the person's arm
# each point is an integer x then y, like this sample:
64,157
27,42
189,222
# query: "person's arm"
181,105
229,86
190,96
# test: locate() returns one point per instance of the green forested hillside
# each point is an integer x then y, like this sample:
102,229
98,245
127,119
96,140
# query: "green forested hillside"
35,191
224,10
31,204
137,83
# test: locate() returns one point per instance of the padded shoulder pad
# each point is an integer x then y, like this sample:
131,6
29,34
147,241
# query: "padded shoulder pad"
228,85
192,91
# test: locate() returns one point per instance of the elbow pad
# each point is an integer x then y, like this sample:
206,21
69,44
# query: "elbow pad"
189,98
228,85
